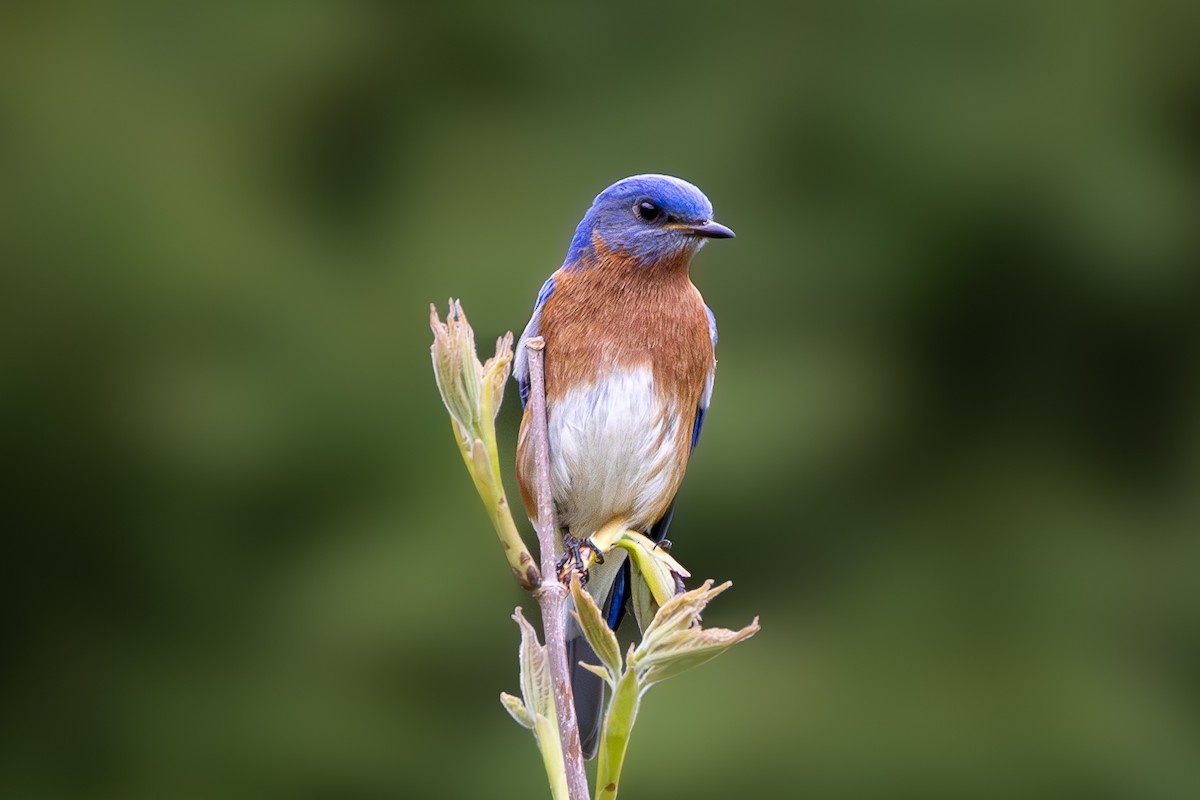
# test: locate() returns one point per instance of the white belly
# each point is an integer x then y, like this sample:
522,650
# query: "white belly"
614,452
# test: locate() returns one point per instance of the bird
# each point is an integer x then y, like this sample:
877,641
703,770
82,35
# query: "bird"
629,360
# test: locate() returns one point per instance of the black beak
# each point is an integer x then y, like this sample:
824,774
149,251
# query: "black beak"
713,230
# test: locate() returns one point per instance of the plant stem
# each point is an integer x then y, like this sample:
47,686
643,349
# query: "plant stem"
552,758
552,594
618,724
491,491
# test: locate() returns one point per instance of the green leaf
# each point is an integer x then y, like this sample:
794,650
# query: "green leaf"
536,688
515,706
683,650
683,610
597,670
644,604
598,634
456,368
672,643
495,373
539,710
654,563
675,642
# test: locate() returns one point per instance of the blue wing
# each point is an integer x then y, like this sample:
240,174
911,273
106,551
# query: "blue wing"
697,425
521,362
708,387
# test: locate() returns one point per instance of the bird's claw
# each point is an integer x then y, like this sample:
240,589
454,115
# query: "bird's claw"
597,556
573,559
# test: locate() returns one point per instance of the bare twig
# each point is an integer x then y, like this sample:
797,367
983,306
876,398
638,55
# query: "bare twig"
552,595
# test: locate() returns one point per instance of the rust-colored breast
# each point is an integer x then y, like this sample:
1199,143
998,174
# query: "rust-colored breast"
619,314
615,314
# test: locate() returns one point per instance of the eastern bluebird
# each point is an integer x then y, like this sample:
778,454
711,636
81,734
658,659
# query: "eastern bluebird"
629,362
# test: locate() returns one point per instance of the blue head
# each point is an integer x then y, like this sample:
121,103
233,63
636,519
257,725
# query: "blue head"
649,217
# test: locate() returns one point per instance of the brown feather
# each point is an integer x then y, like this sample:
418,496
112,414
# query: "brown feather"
614,313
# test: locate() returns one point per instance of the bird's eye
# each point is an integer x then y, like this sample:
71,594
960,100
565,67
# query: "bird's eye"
648,211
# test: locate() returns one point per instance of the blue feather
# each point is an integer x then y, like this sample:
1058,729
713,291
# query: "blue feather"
618,597
703,407
611,216
696,427
521,364
548,287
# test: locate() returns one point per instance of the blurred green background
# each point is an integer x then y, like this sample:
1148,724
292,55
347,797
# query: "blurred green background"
952,459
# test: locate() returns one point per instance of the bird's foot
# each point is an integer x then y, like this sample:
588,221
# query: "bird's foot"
572,560
664,545
575,557
597,556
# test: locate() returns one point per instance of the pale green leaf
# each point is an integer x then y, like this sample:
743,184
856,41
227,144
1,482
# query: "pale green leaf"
598,634
655,564
456,367
535,671
683,650
598,671
495,372
515,706
644,604
683,610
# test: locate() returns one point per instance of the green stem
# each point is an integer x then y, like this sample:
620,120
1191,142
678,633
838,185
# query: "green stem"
491,491
614,739
548,742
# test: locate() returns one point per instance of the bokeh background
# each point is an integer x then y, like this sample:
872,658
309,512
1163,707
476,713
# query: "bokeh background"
952,459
